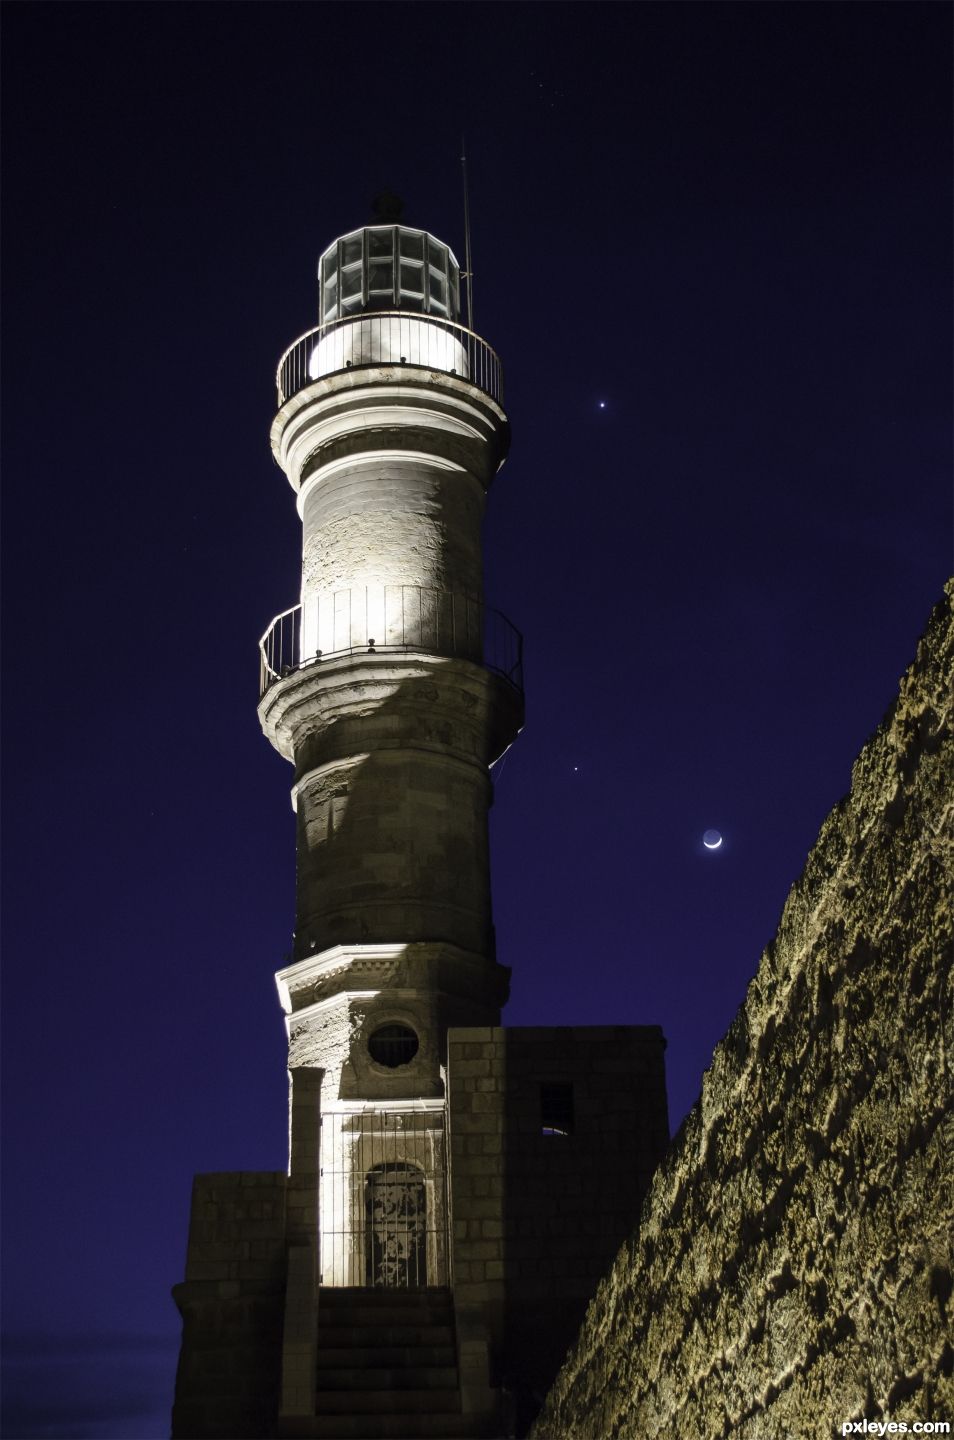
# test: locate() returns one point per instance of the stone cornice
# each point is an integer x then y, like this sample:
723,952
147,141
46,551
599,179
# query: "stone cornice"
364,961
329,962
350,463
309,1012
383,399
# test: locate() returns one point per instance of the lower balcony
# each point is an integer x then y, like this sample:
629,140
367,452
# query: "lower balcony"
390,619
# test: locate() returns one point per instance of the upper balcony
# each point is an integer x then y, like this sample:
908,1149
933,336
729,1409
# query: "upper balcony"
394,338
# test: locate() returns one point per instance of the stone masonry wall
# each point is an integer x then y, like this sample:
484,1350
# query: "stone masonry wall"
231,1303
793,1266
538,1217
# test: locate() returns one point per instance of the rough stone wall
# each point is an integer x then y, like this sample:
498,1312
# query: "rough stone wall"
231,1303
793,1266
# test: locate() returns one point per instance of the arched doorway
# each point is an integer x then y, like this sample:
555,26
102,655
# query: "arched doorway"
396,1225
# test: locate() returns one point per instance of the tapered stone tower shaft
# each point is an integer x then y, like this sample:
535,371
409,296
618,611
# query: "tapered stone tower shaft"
391,688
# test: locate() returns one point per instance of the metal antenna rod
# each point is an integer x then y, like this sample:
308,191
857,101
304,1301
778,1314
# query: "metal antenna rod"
468,271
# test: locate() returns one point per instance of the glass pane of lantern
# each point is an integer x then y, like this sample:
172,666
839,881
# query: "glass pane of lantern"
412,245
330,304
412,279
381,277
351,282
437,254
380,242
351,250
438,289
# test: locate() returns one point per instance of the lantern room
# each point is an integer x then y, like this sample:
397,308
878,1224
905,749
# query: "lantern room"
388,267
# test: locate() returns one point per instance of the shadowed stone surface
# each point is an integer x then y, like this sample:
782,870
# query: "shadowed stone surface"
793,1266
231,1305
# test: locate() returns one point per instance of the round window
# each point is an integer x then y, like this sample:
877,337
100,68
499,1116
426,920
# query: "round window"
393,1045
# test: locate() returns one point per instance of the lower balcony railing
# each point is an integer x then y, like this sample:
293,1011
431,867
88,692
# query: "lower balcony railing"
376,619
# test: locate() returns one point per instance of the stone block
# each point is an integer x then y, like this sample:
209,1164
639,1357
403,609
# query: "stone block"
474,1207
486,1104
477,1124
468,1069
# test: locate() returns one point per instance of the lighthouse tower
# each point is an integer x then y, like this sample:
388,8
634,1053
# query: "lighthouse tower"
455,1190
391,688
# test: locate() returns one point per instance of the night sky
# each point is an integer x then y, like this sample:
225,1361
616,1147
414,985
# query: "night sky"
712,247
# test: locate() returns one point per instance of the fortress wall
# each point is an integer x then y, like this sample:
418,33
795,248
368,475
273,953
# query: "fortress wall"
793,1265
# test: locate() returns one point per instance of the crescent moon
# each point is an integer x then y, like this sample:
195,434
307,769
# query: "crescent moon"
715,842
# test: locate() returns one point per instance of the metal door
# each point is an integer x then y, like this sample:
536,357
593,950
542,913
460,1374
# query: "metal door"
396,1228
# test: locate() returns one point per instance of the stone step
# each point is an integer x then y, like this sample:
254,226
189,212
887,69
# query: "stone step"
448,1426
358,1316
364,1331
404,1300
391,1357
344,1295
416,1377
408,1292
388,1402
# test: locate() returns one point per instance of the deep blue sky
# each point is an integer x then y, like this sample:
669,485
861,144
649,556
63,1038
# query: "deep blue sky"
729,224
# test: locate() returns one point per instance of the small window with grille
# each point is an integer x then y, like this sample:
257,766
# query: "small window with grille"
556,1109
393,1045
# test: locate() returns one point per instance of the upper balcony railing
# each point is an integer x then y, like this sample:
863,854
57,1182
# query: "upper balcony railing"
395,619
393,337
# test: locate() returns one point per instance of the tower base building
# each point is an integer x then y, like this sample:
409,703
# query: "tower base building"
455,1190
421,1272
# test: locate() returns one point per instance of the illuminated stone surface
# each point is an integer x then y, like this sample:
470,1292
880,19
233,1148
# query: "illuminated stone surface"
793,1266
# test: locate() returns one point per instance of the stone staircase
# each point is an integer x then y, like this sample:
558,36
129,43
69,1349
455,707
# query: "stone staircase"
387,1366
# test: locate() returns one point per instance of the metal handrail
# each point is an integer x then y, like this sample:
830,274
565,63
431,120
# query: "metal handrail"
407,338
388,619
